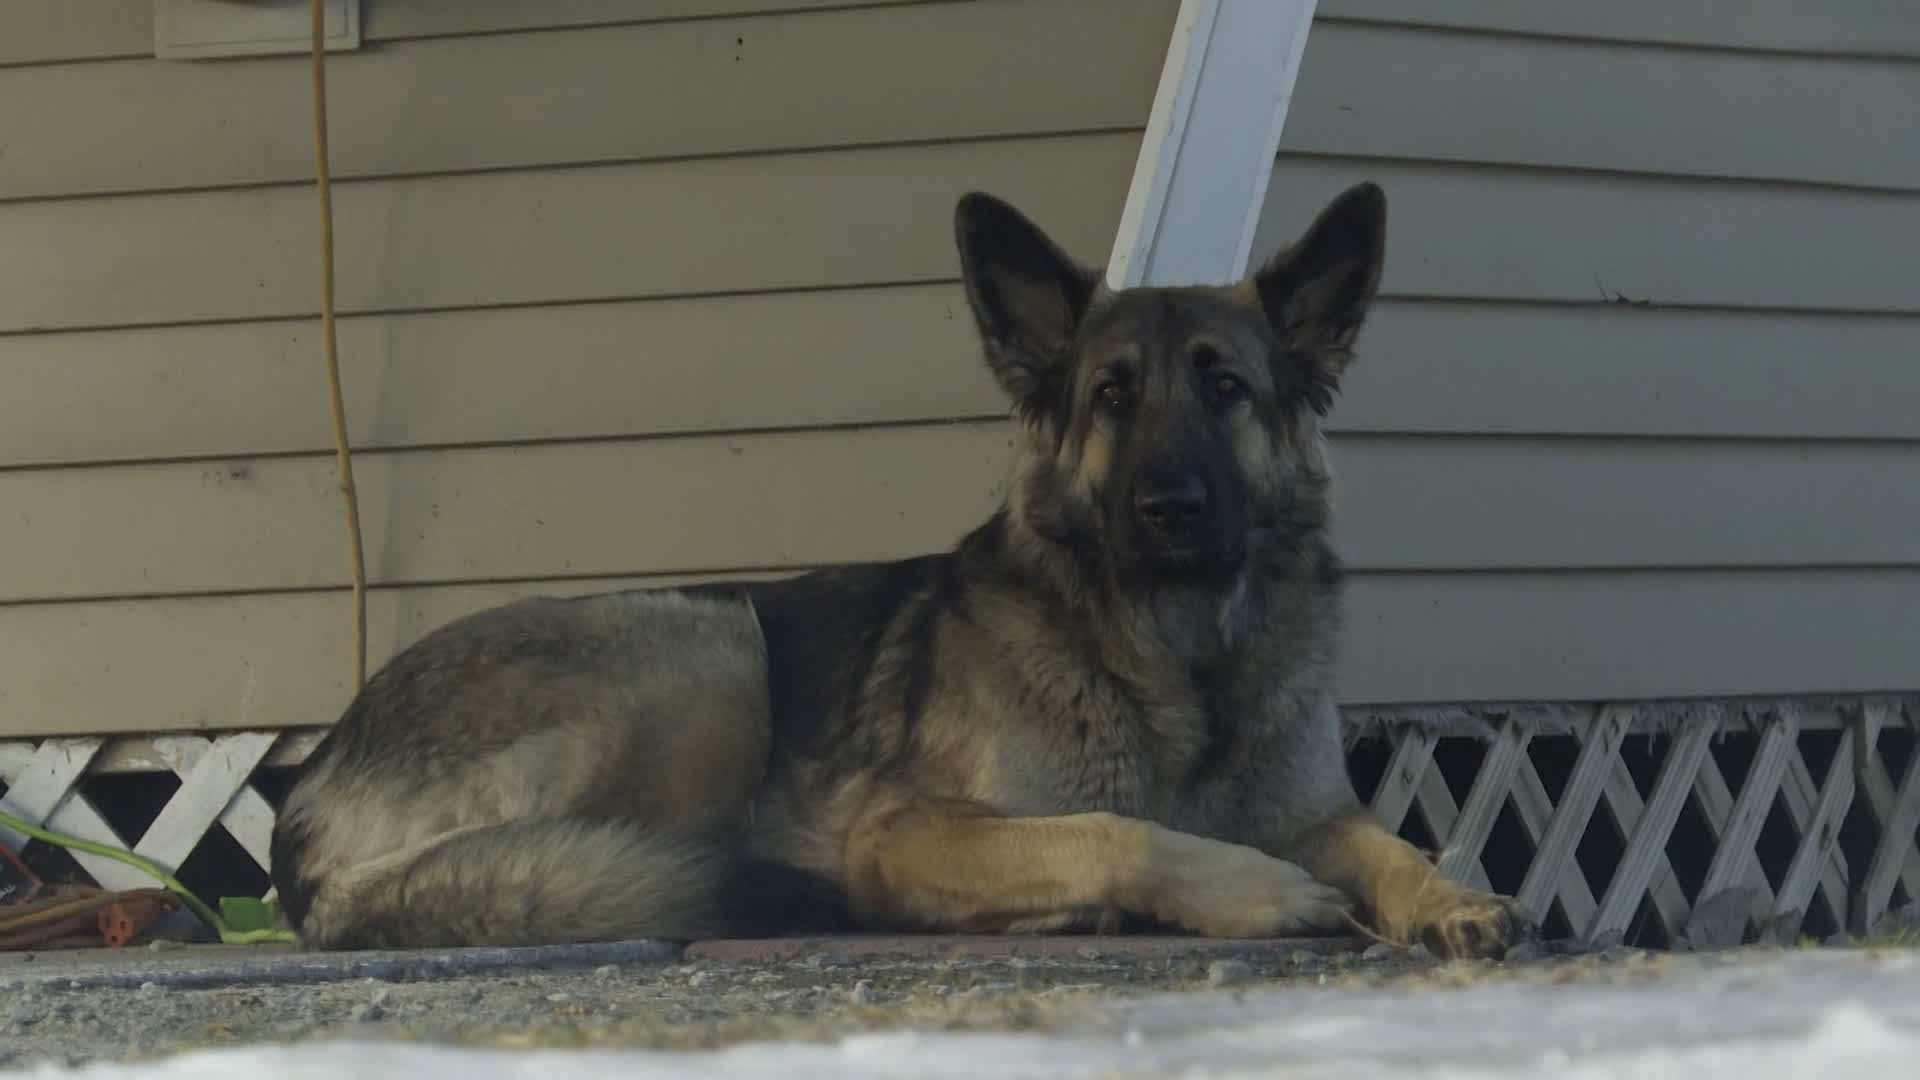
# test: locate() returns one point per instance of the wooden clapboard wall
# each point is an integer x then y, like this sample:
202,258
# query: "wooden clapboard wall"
666,290
627,290
1635,417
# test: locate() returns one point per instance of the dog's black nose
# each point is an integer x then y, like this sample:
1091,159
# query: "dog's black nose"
1173,506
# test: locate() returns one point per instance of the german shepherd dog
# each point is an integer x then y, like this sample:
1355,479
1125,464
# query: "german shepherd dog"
1107,706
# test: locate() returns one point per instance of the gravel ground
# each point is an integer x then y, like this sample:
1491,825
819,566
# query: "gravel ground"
70,1009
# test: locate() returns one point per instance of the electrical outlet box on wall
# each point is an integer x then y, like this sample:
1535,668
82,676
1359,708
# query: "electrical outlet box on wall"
211,29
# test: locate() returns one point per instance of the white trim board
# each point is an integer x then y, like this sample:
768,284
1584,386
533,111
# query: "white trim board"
1201,177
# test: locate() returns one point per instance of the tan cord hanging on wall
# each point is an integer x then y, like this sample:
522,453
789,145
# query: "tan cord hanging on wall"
343,457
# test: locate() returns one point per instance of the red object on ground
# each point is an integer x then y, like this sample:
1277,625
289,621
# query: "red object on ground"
82,916
123,920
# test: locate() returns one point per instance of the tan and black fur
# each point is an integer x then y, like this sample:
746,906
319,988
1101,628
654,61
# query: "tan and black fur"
1109,703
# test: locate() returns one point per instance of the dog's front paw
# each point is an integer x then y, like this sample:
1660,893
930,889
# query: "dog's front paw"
1453,922
1406,899
1219,889
1471,925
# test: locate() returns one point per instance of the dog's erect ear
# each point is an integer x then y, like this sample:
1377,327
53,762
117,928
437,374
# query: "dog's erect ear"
1316,293
1027,297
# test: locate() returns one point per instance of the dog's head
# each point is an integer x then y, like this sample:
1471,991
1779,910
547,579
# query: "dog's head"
1173,432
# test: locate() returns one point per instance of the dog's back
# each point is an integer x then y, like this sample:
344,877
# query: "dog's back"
551,770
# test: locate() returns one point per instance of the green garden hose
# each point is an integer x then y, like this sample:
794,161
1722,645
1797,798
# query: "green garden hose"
229,935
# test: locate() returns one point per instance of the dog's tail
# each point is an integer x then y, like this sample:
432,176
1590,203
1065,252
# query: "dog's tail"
561,881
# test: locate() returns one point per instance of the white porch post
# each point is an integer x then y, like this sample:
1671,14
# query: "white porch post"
1202,174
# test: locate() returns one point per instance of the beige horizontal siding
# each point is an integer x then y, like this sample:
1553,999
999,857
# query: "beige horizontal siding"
1839,27
791,359
858,217
720,502
47,31
851,77
724,225
940,71
769,360
397,19
904,354
283,660
766,200
41,31
714,225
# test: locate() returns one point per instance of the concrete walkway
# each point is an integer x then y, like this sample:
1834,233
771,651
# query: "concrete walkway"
1753,1014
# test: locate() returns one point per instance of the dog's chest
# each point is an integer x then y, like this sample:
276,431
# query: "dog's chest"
1100,748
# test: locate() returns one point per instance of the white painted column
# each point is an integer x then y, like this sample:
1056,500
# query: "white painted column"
1201,178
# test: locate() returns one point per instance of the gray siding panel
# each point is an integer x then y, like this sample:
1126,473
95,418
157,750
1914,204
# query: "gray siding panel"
1688,277
1478,233
44,31
1838,27
711,502
1607,636
867,216
1617,369
1505,504
687,365
1607,106
282,660
868,75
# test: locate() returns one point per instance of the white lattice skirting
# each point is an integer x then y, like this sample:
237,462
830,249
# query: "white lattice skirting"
1615,820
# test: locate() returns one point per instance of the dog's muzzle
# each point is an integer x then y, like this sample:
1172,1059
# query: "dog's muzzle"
1180,526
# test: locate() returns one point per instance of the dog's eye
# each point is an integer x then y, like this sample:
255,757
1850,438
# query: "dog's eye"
1228,389
1113,397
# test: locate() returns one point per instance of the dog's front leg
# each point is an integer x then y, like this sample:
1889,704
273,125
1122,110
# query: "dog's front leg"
956,865
1404,894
